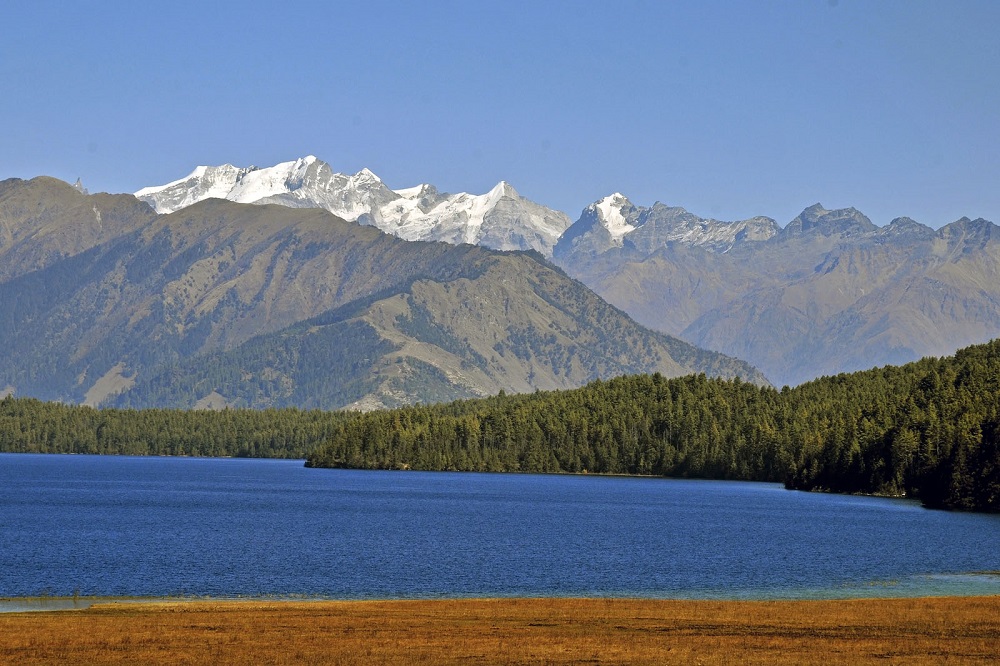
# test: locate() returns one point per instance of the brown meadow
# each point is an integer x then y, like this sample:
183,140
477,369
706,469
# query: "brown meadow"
511,631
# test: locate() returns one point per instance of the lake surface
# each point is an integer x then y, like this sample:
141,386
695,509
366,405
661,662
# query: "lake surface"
119,526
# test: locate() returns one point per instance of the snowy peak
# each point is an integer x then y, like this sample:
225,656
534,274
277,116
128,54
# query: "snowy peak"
614,221
418,192
500,219
501,190
308,179
205,182
614,212
602,226
257,184
365,176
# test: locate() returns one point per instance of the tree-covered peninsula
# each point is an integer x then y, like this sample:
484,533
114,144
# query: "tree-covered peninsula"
929,429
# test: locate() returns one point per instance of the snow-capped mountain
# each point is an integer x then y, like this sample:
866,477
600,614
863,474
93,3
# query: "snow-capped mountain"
500,219
614,221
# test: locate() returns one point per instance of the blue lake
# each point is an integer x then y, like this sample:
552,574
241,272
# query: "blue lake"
119,526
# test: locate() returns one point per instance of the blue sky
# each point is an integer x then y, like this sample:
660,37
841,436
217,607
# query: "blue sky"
730,109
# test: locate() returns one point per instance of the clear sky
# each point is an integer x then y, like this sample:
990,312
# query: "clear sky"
730,109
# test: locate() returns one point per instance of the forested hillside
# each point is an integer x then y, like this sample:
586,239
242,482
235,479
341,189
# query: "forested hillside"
929,429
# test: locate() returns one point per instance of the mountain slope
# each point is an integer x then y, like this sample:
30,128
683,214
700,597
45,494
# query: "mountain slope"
500,219
169,291
45,220
506,322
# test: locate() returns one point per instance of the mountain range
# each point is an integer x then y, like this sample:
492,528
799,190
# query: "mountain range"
105,301
829,292
500,219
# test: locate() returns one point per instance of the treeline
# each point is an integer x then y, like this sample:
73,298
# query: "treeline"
33,426
929,429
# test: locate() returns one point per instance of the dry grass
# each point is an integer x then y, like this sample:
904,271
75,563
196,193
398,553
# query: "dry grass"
511,631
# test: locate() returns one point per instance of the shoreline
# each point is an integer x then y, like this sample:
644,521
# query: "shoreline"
952,585
978,584
511,630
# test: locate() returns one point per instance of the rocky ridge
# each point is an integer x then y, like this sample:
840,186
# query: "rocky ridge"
828,293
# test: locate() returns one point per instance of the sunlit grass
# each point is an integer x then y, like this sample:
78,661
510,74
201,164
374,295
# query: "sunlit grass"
557,631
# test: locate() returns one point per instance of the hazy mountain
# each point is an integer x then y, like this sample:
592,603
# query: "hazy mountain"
830,292
225,303
500,219
615,222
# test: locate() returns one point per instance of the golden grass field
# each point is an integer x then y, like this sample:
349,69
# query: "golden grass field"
511,631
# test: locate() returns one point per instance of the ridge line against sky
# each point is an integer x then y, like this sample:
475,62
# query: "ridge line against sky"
729,109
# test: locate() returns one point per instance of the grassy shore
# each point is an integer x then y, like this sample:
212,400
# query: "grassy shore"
511,631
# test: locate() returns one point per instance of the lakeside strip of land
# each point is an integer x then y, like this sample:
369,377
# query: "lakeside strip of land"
490,631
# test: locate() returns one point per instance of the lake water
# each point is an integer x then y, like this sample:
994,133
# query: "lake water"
119,526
